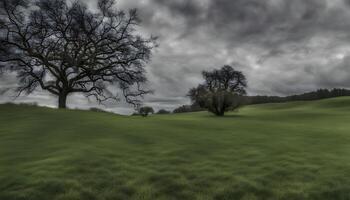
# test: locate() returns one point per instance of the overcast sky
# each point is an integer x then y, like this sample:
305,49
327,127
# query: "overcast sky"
283,46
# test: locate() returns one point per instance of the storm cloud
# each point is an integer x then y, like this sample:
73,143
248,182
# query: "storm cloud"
284,47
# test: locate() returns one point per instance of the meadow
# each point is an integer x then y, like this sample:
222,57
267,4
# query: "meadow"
297,150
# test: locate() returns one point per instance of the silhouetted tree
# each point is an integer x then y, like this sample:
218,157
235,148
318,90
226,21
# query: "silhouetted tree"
64,48
145,111
221,91
163,111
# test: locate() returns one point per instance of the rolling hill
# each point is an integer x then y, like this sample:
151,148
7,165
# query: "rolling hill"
297,150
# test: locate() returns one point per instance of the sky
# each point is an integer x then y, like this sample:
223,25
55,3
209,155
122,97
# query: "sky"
283,47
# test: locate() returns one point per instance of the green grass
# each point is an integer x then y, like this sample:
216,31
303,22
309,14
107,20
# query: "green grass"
298,150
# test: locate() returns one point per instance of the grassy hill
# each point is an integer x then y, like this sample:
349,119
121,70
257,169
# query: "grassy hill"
298,150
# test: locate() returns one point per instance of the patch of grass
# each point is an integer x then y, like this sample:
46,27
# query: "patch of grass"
298,150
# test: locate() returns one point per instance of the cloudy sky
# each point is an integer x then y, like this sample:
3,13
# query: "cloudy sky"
283,46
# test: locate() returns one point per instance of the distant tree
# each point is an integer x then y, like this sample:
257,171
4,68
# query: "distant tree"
64,48
163,111
94,109
135,114
145,111
188,108
222,90
182,109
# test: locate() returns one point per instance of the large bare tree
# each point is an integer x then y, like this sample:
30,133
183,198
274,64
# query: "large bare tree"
64,48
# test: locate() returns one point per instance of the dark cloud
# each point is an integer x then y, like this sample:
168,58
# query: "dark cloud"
181,8
283,46
269,22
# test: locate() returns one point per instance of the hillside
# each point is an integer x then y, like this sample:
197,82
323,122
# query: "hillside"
297,150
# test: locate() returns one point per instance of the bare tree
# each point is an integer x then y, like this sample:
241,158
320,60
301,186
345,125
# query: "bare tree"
221,91
66,48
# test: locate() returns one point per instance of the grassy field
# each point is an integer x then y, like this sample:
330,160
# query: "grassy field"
298,150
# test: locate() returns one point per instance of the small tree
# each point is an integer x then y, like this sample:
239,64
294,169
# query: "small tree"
221,91
63,47
188,108
163,111
145,111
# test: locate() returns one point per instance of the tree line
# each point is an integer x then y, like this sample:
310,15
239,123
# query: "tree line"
308,96
262,99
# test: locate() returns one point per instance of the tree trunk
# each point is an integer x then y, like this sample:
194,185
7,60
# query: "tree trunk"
220,113
62,99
